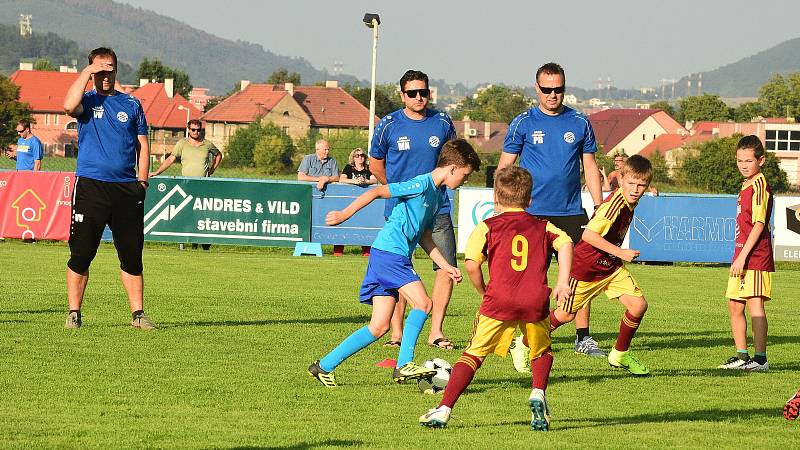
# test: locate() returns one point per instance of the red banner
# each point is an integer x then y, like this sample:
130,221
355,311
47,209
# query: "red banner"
36,205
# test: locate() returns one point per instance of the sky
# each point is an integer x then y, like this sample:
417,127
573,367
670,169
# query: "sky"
636,43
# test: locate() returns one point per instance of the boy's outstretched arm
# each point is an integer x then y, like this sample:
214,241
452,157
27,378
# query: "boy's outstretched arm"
475,274
427,244
337,217
595,240
738,264
561,290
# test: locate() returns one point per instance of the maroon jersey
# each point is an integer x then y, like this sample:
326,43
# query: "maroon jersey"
755,205
517,246
611,221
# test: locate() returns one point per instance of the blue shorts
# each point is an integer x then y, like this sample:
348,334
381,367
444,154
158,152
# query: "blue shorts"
386,273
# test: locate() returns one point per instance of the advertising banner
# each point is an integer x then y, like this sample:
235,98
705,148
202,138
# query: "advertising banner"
221,211
35,205
786,234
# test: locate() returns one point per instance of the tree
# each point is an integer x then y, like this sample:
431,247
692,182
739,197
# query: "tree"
345,142
660,169
44,64
780,97
155,70
704,107
746,112
387,99
273,152
11,111
495,104
282,75
713,168
664,106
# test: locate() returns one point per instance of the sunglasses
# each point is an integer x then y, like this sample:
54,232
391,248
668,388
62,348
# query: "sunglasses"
549,90
359,155
412,93
20,131
195,129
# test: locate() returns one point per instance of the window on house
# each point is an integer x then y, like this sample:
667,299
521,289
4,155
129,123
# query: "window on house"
71,126
643,137
782,140
285,130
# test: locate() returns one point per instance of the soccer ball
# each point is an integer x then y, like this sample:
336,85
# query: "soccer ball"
439,381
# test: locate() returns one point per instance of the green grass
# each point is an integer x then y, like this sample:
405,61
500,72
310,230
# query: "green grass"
238,328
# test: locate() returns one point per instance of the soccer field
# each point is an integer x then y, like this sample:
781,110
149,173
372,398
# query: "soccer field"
227,367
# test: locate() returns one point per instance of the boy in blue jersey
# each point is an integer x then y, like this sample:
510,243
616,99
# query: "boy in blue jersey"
112,142
29,150
406,143
389,271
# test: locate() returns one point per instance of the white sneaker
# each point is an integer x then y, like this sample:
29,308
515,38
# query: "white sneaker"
436,417
753,366
520,355
540,411
734,363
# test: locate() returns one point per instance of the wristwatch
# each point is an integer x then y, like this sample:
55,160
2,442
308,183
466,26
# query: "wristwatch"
146,183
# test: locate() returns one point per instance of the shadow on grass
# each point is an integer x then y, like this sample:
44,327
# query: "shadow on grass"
327,443
244,323
703,415
33,311
658,340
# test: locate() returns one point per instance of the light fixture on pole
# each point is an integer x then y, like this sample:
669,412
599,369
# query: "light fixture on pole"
188,112
372,21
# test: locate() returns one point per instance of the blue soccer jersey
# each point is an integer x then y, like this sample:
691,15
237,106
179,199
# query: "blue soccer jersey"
107,136
28,151
411,147
551,148
418,202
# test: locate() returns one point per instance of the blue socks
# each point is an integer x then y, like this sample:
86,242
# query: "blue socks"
351,345
411,330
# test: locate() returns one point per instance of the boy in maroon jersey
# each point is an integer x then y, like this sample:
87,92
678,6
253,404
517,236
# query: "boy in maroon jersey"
750,281
517,246
598,263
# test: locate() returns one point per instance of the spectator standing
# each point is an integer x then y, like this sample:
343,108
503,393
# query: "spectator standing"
552,142
356,172
199,157
112,138
319,166
406,144
29,150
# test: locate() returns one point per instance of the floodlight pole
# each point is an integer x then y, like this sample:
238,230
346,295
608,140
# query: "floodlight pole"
186,133
372,21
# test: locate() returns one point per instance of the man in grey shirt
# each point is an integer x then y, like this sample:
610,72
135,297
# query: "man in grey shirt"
318,166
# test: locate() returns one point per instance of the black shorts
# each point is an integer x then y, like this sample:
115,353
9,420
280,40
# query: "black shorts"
572,225
96,204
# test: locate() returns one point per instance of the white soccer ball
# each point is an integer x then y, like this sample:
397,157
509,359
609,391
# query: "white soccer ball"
439,381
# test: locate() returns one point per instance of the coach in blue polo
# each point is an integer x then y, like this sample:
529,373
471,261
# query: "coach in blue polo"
407,143
112,142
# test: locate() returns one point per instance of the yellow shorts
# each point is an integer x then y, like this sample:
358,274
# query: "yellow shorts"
618,283
495,336
752,283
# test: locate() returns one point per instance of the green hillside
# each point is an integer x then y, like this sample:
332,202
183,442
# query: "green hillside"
743,78
136,33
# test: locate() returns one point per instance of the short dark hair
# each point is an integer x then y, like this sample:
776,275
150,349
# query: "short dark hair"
551,68
26,124
194,122
412,75
103,51
638,166
460,153
513,185
751,142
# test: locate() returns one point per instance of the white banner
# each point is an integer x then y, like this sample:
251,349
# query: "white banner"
786,232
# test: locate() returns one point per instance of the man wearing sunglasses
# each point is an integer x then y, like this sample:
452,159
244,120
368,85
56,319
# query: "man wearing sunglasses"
406,144
552,141
29,150
199,157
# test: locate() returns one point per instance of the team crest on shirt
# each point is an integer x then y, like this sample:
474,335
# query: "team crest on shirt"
569,137
434,141
97,112
538,137
122,116
404,143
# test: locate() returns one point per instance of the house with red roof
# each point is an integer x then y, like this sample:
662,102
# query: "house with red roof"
167,114
631,130
328,109
486,137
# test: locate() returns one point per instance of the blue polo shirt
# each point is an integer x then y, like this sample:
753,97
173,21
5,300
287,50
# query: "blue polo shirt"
108,133
418,203
28,151
411,147
551,148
